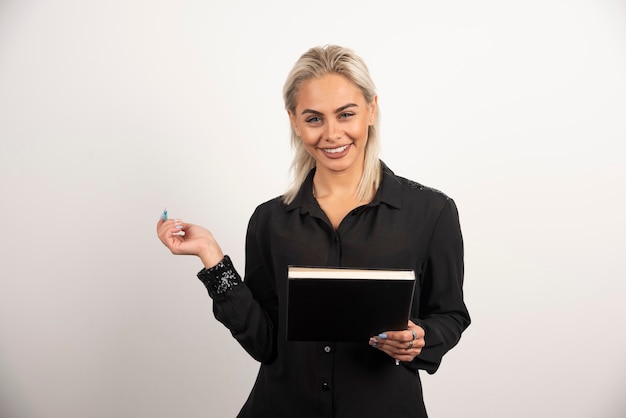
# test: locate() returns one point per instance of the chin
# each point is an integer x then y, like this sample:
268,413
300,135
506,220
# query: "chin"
339,165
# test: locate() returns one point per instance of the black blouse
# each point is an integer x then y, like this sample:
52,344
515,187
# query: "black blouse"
406,226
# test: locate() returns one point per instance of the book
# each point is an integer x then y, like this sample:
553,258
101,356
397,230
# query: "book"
347,305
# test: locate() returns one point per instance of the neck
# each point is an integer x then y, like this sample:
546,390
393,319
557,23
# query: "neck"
334,184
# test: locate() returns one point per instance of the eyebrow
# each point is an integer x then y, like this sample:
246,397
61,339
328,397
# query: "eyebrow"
339,110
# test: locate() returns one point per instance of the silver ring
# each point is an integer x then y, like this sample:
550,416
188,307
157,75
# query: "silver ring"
414,334
410,345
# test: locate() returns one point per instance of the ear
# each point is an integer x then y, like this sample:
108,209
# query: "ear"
292,120
373,110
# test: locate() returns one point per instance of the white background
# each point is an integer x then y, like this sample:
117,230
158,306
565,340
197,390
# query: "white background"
112,110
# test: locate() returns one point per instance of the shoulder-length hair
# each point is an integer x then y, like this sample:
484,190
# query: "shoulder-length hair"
315,63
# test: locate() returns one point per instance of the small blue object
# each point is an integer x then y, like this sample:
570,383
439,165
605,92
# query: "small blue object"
164,214
383,335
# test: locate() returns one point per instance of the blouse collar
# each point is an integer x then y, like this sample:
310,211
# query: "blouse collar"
389,193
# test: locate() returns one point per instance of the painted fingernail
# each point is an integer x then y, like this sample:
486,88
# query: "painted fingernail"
179,227
382,335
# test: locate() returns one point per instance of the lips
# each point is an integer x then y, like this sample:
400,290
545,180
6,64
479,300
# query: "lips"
337,150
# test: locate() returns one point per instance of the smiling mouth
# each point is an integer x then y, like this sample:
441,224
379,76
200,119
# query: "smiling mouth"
336,150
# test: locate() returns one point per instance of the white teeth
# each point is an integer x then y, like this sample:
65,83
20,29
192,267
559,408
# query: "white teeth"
336,150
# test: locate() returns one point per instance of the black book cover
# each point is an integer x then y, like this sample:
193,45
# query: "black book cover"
347,305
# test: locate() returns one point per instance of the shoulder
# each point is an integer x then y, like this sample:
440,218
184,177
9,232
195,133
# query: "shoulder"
426,205
410,191
270,208
413,187
264,213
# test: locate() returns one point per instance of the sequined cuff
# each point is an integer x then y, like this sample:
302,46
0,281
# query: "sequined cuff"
220,278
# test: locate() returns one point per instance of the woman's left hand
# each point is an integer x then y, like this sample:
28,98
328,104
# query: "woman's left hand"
401,345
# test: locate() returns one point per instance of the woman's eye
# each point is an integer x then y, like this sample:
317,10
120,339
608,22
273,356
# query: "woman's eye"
346,115
313,119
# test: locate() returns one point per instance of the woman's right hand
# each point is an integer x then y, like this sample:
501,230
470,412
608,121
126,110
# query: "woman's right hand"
194,240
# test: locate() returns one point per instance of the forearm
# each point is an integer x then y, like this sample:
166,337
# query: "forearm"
442,310
235,307
443,332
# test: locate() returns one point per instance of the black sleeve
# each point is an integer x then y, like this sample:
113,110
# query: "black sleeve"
247,308
442,311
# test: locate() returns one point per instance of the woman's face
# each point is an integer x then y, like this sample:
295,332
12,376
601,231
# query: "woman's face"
332,119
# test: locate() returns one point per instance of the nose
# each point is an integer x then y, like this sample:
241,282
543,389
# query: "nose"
333,131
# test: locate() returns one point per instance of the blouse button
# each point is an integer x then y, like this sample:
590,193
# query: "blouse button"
327,349
325,386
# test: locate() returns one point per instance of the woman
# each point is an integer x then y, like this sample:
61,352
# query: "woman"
345,208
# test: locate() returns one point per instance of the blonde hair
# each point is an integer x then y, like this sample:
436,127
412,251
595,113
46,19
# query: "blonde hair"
315,63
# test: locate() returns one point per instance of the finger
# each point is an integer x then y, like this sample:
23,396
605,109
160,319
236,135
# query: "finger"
385,342
375,342
421,332
409,349
164,227
399,344
171,233
397,336
172,225
399,354
160,223
179,228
